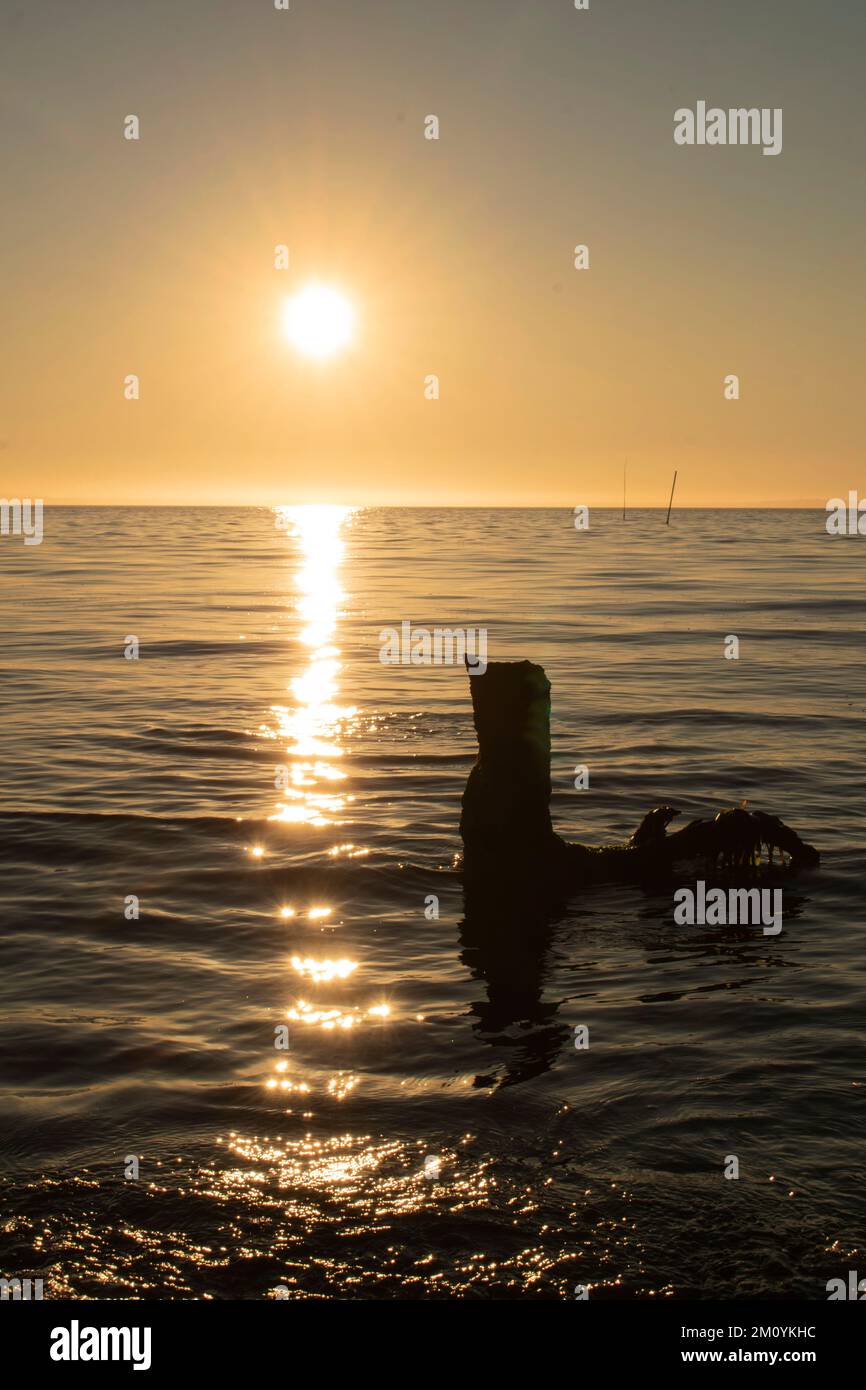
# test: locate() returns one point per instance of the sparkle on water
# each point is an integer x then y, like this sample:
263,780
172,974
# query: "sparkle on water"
312,725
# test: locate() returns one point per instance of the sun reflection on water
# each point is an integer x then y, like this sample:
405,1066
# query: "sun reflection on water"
312,726
323,971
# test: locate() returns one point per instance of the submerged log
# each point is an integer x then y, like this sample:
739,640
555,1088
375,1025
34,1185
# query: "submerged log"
508,836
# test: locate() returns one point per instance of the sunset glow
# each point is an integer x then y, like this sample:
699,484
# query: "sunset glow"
318,321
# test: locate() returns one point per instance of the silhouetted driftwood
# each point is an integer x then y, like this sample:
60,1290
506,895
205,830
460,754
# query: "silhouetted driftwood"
508,836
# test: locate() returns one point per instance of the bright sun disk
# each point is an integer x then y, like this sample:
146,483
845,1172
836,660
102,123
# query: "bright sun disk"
318,321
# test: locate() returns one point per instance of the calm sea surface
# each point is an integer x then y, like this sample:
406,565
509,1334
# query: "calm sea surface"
281,805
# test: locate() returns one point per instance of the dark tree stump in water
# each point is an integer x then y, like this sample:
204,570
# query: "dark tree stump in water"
508,836
506,804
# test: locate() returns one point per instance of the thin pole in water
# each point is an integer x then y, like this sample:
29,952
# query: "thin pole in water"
671,503
625,465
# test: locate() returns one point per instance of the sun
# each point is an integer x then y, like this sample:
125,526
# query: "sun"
318,321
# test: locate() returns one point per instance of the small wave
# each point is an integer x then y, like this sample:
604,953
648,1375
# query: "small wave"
712,717
202,731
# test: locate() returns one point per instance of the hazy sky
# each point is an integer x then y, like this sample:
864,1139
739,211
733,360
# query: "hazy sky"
261,127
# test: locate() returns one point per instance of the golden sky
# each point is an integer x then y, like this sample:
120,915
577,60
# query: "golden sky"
258,128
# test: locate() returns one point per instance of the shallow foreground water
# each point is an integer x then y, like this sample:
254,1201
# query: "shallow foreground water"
284,807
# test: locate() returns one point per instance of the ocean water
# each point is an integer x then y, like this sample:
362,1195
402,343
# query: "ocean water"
282,805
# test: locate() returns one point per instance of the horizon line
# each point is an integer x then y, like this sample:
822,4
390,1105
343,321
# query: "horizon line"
453,506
